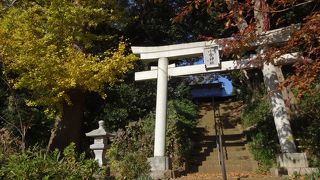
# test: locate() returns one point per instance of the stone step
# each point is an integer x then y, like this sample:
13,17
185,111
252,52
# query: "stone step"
229,133
258,178
237,130
236,148
234,169
230,158
201,150
226,142
234,137
216,161
207,177
230,163
211,168
205,141
228,146
229,155
227,162
240,151
235,160
210,159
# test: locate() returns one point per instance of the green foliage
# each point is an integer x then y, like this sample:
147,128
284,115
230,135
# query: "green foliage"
36,164
258,111
132,147
264,146
296,176
263,139
129,152
24,121
313,176
248,85
306,127
181,121
125,102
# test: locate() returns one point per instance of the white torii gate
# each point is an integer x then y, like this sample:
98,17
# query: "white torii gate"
162,54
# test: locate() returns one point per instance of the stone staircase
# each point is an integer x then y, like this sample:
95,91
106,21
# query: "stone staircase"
204,162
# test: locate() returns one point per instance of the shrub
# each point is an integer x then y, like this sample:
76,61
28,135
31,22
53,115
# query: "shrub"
8,143
23,121
264,147
263,140
256,112
306,127
129,151
181,122
131,147
313,176
36,164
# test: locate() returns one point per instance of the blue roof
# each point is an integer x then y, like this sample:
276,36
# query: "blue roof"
224,90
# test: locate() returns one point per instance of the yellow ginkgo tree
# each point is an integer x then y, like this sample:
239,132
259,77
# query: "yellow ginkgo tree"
47,48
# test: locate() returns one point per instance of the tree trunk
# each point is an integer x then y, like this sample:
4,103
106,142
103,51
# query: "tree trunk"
68,129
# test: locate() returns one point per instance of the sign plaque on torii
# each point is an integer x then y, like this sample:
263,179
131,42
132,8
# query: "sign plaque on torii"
211,57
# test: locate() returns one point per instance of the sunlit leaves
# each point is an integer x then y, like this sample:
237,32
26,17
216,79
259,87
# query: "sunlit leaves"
307,41
43,47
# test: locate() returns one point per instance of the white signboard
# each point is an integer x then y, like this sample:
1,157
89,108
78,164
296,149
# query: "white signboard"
211,57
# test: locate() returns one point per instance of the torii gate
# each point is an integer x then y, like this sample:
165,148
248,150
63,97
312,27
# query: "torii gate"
159,163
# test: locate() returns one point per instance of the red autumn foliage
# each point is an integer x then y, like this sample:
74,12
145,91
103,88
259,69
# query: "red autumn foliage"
306,40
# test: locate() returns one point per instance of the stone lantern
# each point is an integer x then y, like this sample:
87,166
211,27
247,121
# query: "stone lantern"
100,144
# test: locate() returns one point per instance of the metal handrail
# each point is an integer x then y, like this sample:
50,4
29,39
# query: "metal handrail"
219,142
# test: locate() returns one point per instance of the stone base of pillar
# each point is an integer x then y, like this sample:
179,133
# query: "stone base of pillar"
293,171
160,167
292,163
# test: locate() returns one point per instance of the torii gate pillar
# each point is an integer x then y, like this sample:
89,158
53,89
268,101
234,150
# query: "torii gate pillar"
161,108
160,163
280,115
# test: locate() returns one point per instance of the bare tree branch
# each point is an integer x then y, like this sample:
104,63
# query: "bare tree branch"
286,9
11,124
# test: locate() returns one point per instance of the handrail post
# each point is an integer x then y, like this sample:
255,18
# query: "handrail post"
219,129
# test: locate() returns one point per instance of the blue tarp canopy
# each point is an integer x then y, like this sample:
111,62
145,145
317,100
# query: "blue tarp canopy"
217,86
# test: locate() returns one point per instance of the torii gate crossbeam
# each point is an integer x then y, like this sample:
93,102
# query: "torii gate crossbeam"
225,66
